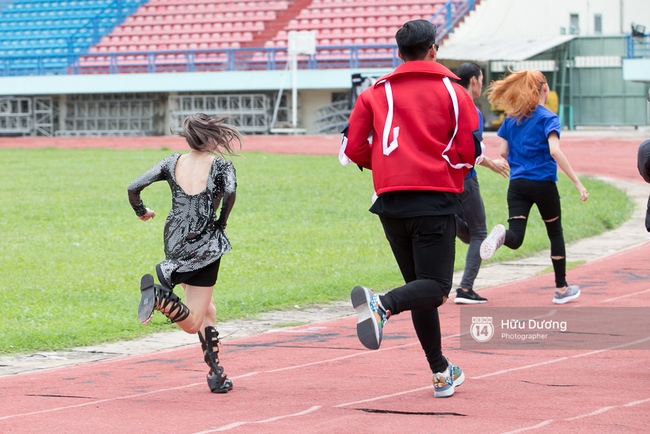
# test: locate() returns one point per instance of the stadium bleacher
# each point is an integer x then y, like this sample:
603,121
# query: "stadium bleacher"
50,32
41,37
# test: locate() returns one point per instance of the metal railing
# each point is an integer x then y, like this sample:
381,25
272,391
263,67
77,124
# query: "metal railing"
77,61
450,14
224,59
637,47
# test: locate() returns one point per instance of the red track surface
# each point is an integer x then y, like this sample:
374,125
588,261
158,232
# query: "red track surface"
318,378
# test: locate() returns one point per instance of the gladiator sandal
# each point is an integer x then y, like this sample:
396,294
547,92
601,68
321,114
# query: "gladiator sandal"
157,297
217,379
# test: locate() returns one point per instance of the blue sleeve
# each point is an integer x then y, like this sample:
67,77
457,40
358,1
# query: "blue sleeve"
551,124
502,132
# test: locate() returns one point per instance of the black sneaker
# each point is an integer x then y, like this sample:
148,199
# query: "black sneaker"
468,297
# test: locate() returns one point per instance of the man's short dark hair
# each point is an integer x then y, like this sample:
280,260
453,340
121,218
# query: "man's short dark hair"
466,71
415,39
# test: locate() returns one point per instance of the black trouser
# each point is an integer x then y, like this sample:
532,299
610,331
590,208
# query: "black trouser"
424,248
522,194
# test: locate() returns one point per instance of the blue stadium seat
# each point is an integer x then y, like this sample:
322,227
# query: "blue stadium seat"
62,30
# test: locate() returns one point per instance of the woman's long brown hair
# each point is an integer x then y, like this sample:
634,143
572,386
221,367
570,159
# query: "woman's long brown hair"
210,134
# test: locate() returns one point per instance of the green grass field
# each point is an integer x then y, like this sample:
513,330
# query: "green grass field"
72,251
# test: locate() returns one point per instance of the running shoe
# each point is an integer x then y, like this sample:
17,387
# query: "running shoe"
570,293
468,297
371,316
445,383
493,241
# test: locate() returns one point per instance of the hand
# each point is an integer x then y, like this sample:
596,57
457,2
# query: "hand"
584,194
501,167
149,215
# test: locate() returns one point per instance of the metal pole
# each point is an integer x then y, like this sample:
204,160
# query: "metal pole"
621,17
294,93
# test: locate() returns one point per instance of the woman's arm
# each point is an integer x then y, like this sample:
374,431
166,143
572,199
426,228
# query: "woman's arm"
135,188
504,150
229,194
499,166
563,162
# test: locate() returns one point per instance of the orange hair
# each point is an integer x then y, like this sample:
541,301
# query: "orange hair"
518,93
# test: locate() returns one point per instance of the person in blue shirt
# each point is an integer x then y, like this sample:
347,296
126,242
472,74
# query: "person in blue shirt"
471,227
531,143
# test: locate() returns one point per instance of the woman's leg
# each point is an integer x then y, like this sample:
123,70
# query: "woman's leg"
202,321
199,301
550,209
519,206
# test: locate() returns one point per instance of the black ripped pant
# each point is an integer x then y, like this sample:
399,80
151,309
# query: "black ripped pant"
424,248
522,195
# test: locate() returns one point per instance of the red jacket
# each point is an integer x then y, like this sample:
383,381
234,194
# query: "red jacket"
406,153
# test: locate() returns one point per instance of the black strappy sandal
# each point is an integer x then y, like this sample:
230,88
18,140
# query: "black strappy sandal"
218,381
156,297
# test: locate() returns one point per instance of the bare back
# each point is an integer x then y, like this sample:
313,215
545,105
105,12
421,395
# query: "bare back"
192,171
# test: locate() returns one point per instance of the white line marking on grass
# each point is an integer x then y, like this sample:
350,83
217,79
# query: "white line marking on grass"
528,428
272,419
626,295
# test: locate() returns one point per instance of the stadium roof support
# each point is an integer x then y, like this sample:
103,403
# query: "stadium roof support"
486,50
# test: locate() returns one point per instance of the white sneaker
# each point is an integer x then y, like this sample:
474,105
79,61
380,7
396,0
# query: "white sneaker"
493,241
445,383
570,293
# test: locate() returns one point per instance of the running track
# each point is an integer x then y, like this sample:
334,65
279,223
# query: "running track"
317,378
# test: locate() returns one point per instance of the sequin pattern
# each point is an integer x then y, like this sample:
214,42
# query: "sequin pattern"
193,236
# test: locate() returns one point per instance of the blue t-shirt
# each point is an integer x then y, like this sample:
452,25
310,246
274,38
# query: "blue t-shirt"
472,171
529,154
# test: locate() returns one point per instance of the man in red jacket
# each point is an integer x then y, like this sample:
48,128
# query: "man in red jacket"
414,129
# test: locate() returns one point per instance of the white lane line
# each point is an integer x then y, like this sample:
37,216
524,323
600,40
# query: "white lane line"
604,409
529,428
560,359
624,296
633,403
99,401
349,356
117,398
592,413
272,419
377,398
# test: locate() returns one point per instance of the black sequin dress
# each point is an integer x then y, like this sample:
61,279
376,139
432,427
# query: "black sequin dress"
193,236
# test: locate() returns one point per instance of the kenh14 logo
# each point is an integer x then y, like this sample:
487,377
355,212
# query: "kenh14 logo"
481,329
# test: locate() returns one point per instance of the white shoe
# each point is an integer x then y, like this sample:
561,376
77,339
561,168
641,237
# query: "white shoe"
493,241
570,293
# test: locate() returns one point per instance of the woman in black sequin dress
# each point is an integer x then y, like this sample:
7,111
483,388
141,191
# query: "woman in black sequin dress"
195,239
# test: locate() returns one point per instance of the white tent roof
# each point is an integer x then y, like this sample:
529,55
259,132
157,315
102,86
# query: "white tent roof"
514,49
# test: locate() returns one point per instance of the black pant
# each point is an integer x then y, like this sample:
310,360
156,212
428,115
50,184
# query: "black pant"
522,195
424,248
